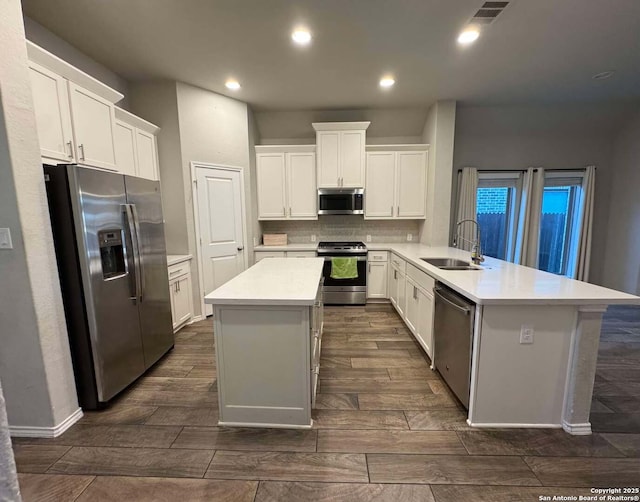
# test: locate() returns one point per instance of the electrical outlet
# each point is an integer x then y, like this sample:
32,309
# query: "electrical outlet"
526,334
368,238
409,237
5,239
313,237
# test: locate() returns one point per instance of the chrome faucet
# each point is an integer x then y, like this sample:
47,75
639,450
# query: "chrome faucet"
476,248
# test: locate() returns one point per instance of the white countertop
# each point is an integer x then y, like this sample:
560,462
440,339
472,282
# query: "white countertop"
503,283
289,247
174,259
272,281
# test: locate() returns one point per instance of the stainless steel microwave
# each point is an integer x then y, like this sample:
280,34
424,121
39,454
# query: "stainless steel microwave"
340,201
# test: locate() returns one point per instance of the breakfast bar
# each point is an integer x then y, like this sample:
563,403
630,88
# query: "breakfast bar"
268,335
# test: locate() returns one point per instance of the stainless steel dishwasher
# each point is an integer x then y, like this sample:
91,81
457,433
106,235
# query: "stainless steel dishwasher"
453,336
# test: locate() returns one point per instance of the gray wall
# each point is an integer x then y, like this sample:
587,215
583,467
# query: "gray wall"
51,42
157,102
35,362
622,254
438,132
554,137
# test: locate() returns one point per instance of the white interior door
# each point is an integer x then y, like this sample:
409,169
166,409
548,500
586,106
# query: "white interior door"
221,235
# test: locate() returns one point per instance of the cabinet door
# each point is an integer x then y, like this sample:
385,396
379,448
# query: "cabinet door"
93,127
352,159
270,168
379,201
412,308
377,280
53,117
125,142
402,295
173,289
411,184
147,155
424,328
328,148
301,186
393,286
182,300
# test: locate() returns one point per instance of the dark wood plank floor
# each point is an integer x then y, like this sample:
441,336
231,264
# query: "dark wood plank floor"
386,428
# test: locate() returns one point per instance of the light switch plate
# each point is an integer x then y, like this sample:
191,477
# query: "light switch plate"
5,239
409,237
526,334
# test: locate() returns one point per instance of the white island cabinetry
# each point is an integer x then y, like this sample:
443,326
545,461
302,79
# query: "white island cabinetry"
268,336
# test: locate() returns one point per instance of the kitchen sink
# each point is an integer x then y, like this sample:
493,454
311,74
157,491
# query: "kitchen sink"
450,264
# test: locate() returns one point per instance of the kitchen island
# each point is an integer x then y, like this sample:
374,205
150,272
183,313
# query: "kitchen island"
268,336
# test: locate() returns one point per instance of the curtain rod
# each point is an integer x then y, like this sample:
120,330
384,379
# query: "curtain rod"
524,170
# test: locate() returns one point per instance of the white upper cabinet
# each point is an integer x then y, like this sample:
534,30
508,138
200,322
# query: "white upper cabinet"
341,154
93,128
286,180
396,182
125,140
270,170
136,147
301,185
53,117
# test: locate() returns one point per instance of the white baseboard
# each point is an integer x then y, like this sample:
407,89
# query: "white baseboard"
577,429
45,432
513,426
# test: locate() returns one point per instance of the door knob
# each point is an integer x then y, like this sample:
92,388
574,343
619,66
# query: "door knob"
240,248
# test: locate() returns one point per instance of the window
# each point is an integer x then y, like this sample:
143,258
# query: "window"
559,222
496,204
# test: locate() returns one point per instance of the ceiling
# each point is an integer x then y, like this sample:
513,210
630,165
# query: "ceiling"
536,51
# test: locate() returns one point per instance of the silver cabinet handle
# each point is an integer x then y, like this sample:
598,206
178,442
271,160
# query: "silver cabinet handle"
369,267
70,145
415,293
81,148
395,275
398,211
289,211
284,211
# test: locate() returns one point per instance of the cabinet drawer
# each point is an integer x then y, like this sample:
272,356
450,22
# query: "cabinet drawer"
259,255
422,279
378,255
178,270
301,254
398,263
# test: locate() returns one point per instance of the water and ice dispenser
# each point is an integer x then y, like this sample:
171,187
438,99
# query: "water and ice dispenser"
112,253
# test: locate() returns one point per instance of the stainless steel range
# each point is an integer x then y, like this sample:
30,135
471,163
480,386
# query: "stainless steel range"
352,291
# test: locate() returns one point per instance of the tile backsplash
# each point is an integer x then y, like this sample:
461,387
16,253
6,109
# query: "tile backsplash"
343,228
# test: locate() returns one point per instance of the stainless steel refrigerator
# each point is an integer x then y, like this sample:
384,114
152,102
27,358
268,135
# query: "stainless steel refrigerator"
109,239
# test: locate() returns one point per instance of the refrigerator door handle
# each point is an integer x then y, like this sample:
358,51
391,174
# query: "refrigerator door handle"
136,223
133,236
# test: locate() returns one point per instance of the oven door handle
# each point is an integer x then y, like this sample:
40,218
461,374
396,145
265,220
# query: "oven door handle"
358,258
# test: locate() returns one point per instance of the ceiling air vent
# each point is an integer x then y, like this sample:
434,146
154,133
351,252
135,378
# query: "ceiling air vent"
488,12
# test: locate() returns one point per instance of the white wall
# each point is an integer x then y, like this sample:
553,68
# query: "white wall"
622,253
554,137
51,42
438,132
35,362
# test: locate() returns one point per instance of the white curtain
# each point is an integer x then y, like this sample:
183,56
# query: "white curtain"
467,194
528,230
583,251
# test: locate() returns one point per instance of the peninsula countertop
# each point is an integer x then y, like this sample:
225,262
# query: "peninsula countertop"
272,281
499,282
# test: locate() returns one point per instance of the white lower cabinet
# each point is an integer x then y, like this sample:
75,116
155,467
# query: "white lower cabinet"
181,294
377,274
397,280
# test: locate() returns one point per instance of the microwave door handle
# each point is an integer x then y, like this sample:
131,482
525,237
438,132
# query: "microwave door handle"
132,239
136,222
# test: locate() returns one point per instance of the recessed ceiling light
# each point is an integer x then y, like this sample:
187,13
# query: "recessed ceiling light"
603,75
301,36
468,36
234,85
387,82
